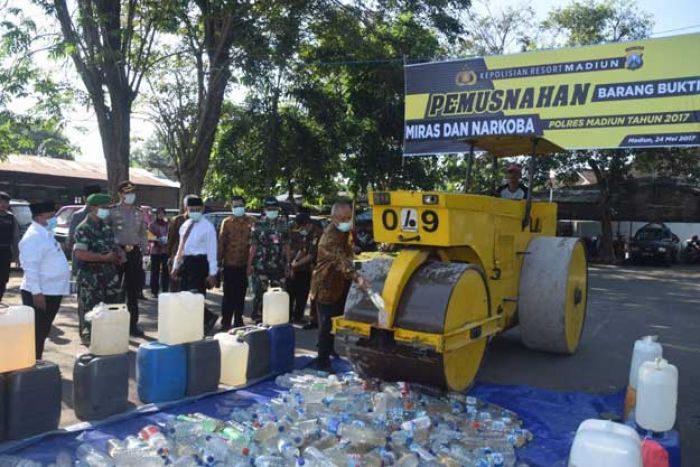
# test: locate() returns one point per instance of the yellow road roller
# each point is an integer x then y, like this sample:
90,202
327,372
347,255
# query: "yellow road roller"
469,267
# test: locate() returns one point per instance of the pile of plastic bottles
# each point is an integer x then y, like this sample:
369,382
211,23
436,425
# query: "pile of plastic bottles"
327,421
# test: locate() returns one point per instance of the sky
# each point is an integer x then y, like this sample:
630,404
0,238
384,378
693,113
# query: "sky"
671,17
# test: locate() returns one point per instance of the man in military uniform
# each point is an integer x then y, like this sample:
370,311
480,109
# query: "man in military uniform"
129,226
270,255
9,239
99,257
174,240
305,236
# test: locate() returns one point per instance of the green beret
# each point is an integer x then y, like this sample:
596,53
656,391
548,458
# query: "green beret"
98,199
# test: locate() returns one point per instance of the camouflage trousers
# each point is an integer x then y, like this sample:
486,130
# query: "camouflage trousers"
259,284
96,284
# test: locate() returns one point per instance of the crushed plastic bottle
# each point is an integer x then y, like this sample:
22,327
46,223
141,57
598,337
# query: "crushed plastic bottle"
325,421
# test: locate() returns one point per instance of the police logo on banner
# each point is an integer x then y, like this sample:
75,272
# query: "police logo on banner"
634,57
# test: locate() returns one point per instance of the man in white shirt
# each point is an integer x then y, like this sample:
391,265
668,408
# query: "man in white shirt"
195,264
513,189
46,273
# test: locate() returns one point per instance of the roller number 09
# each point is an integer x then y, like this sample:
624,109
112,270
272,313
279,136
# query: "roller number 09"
429,220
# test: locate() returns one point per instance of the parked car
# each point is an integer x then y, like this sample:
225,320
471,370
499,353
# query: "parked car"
64,216
364,231
656,243
22,213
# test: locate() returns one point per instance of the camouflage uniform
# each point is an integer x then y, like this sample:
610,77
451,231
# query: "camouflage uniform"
304,242
270,262
97,282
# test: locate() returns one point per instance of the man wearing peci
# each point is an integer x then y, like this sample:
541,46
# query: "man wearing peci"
195,264
46,277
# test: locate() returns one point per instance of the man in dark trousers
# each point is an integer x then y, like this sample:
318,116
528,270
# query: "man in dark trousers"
195,263
174,241
129,226
234,247
305,237
334,266
46,277
9,238
160,274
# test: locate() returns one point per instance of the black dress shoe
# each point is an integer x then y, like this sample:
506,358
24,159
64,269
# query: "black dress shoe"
136,332
334,354
310,326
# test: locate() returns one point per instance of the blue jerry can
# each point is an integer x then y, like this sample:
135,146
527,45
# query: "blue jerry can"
670,440
161,372
282,348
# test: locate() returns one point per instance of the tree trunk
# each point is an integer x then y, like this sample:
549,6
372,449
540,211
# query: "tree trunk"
606,253
192,180
115,128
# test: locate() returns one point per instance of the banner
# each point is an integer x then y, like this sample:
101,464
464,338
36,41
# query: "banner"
643,93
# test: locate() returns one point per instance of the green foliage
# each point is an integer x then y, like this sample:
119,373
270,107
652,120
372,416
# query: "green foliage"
39,129
590,22
22,134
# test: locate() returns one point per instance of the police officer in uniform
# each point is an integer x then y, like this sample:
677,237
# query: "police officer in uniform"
99,257
270,254
129,226
9,239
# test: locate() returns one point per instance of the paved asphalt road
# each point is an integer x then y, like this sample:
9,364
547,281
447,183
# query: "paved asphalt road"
624,303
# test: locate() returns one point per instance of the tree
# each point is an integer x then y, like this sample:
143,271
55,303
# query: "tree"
154,156
590,22
31,102
587,23
111,46
33,136
212,35
353,85
498,32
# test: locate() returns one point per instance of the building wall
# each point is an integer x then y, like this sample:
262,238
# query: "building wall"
66,190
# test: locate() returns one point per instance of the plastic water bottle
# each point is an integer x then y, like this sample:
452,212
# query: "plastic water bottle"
270,461
362,435
401,438
269,430
420,423
287,449
315,458
407,460
91,456
152,435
